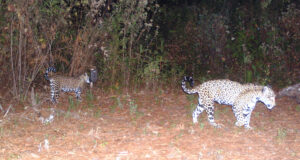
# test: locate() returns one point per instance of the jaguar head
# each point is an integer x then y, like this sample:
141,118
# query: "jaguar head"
85,77
268,97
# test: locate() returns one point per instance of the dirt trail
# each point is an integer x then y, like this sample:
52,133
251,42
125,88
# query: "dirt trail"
149,126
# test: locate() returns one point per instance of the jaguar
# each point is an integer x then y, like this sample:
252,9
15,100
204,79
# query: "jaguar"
60,83
242,98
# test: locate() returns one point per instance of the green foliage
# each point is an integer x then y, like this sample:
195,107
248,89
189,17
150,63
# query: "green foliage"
190,108
133,107
201,124
298,108
117,103
90,99
72,104
191,98
120,105
126,28
281,134
97,113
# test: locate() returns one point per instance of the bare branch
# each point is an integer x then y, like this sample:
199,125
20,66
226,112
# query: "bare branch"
10,106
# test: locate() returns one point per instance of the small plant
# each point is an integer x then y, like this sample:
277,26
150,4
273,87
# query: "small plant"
178,136
81,127
157,100
217,113
201,125
173,125
15,122
104,144
90,98
256,114
190,108
97,114
132,107
151,73
119,103
271,119
281,133
145,131
72,104
298,108
1,131
112,108
14,156
114,105
22,99
190,97
37,97
226,110
116,88
219,154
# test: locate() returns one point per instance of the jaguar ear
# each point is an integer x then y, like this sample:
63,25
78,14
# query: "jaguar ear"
188,78
192,84
266,88
191,81
185,78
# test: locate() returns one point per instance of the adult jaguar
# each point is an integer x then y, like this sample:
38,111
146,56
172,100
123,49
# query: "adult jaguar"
242,98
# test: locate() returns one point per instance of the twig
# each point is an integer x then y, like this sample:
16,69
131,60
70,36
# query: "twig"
1,108
11,58
7,111
32,96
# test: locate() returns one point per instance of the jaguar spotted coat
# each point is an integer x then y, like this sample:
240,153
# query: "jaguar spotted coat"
60,83
242,98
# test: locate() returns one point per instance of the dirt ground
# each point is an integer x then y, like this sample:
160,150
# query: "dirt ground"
146,125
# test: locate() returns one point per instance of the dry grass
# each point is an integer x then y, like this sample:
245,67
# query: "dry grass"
161,129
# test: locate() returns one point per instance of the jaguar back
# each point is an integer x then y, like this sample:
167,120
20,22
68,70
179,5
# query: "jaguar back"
65,82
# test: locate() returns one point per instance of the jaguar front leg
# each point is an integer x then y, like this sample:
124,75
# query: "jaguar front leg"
239,116
247,121
247,111
242,121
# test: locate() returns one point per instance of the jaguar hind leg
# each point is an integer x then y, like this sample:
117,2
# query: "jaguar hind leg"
199,109
78,93
210,113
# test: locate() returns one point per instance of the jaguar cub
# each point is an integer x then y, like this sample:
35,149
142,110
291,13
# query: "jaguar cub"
65,84
242,98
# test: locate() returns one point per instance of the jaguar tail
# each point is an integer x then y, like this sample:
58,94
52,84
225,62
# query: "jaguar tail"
50,69
191,82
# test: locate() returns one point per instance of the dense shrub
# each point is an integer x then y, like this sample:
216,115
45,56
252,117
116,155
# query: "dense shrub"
149,42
